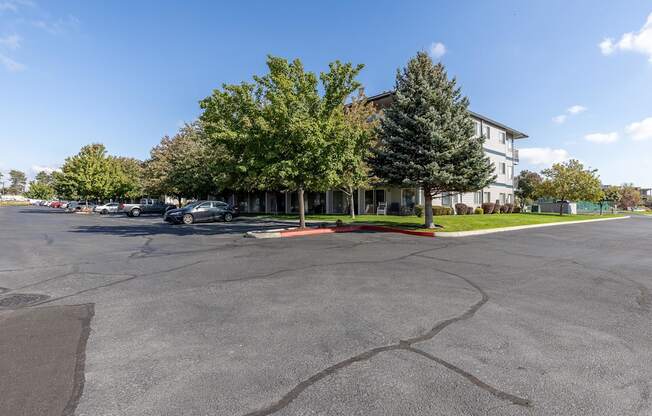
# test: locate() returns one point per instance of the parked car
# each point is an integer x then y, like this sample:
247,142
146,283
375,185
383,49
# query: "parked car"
201,211
146,206
108,208
79,205
55,204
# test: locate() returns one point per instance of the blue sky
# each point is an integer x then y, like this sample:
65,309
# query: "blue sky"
576,76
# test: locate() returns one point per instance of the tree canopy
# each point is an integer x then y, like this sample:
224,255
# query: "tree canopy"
41,187
279,131
180,166
570,181
426,136
527,183
18,181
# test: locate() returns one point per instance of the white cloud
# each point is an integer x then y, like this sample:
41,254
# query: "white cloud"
572,110
641,130
543,155
607,46
10,41
602,138
437,50
576,109
46,169
640,41
11,65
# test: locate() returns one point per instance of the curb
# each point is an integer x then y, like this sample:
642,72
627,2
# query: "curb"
455,234
295,232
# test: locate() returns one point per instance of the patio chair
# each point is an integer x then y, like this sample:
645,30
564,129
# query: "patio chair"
382,208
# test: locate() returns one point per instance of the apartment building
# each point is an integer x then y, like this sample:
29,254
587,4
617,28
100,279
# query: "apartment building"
499,147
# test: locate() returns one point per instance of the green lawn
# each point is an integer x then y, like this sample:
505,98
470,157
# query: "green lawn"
13,203
450,222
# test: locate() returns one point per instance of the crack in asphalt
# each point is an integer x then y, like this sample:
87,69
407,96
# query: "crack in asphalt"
473,379
131,277
144,250
79,374
48,240
342,263
644,298
405,345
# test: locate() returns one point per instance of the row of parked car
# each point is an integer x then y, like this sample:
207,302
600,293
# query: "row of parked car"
192,212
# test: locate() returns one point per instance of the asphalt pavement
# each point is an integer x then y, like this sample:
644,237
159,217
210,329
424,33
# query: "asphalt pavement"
131,316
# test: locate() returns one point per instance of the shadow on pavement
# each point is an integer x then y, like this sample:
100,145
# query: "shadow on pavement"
138,230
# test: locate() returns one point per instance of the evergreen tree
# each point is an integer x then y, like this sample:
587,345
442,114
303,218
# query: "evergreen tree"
18,181
426,136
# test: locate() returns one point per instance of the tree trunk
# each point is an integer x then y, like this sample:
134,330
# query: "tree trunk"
427,210
302,211
179,199
352,202
561,208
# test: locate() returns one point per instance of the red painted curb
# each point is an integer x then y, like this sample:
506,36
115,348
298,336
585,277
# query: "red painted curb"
351,228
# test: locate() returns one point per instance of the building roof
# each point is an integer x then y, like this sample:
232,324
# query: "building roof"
515,133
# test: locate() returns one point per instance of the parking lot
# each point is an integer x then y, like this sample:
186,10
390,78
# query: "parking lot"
131,316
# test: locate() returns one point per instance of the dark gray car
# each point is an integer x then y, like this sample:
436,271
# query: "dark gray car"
200,211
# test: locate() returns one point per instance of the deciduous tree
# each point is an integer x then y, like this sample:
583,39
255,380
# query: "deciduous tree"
356,143
426,136
569,181
628,196
179,166
526,187
88,174
280,132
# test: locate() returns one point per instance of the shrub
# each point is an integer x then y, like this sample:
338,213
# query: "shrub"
418,210
469,210
479,211
509,207
488,207
460,209
438,210
517,210
497,208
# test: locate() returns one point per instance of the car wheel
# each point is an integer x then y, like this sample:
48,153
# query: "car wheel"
104,211
188,219
228,217
135,212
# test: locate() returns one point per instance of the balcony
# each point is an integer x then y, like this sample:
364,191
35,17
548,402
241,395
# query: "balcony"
515,156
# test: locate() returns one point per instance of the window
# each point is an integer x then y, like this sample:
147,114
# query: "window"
502,168
509,198
477,197
446,199
510,172
487,197
510,144
487,132
409,198
502,198
478,130
502,137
